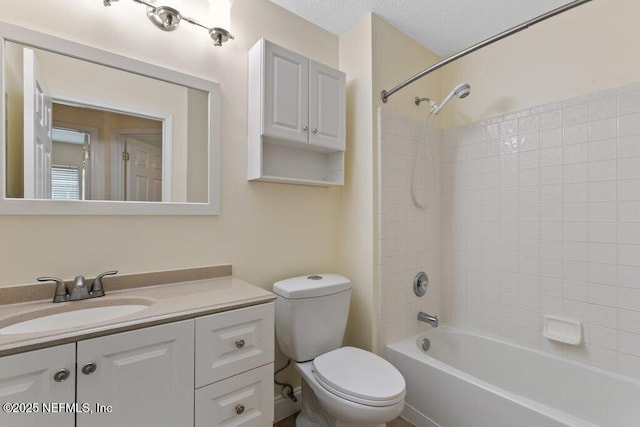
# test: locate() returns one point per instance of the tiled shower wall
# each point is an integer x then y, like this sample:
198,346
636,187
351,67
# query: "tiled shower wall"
409,237
541,215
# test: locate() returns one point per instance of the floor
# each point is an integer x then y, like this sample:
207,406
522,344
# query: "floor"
291,422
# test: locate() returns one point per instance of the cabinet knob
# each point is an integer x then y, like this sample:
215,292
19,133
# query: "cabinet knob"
305,128
239,409
89,368
240,343
314,130
61,375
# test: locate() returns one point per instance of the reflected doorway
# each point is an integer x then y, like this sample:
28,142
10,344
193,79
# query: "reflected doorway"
118,156
70,163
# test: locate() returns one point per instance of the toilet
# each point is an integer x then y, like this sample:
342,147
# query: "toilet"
341,386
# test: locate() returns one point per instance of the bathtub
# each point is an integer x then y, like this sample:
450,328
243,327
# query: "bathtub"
467,380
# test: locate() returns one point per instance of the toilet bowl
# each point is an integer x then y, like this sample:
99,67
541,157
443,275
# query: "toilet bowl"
349,387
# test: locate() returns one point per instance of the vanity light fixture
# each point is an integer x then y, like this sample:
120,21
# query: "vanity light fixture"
167,19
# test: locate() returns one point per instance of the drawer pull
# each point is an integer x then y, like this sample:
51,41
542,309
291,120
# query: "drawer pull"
239,409
89,368
240,343
61,375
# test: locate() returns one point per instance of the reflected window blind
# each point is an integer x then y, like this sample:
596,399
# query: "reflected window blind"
65,183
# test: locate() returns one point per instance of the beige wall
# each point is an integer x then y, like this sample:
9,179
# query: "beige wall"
264,229
197,168
375,56
357,213
396,57
587,49
14,121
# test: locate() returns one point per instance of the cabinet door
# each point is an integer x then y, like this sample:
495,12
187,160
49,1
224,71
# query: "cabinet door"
286,94
327,107
28,378
245,400
145,375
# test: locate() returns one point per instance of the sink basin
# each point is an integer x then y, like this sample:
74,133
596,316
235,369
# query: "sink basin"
45,321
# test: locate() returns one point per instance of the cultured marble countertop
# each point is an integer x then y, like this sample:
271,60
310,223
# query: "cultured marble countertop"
167,303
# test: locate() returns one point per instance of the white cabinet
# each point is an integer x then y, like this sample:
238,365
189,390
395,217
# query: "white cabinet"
297,118
234,368
146,376
243,400
286,94
233,342
327,105
141,378
37,377
212,370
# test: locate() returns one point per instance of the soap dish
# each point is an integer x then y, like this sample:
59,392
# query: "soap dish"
563,330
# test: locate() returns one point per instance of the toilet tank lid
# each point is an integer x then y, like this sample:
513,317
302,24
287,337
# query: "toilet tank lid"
313,285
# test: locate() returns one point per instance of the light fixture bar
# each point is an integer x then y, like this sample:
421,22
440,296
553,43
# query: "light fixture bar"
168,19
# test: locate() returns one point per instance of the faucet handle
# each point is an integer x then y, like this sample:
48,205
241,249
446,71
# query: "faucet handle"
97,289
62,294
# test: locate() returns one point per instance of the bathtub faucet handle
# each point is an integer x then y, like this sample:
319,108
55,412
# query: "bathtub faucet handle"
427,318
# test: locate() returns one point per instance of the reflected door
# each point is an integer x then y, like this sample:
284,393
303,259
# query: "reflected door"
37,131
143,171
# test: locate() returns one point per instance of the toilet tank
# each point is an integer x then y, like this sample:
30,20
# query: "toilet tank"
311,314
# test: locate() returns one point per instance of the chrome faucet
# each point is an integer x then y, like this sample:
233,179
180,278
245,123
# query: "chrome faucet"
427,318
80,288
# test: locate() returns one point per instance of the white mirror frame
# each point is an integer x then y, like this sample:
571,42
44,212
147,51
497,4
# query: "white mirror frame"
14,206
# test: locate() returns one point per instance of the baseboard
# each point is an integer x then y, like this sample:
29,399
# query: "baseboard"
284,407
416,417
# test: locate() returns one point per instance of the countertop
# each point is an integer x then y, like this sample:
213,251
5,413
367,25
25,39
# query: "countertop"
167,303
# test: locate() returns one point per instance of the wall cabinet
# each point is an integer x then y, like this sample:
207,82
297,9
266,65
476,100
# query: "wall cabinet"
213,370
297,118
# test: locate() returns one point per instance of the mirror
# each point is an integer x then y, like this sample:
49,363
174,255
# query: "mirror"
90,132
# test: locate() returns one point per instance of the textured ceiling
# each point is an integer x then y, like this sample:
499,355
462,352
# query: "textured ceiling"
442,26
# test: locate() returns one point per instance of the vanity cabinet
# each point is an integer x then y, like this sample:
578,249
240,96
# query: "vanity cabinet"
138,378
297,118
209,371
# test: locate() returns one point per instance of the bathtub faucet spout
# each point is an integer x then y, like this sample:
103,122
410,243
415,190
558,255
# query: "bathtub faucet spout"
427,318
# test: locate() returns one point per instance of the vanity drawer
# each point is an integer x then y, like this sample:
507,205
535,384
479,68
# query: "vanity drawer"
244,400
233,342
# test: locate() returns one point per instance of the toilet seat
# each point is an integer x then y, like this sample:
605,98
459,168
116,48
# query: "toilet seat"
359,376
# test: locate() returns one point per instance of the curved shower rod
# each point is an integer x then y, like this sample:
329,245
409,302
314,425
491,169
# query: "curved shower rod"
387,93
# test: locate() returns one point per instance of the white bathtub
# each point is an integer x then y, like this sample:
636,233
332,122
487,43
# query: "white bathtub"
468,380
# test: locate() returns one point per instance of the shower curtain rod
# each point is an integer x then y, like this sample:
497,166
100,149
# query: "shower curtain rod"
386,94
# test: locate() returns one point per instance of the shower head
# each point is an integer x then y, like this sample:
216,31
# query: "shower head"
461,91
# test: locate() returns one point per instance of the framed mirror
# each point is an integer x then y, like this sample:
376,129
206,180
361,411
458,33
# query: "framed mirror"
87,131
